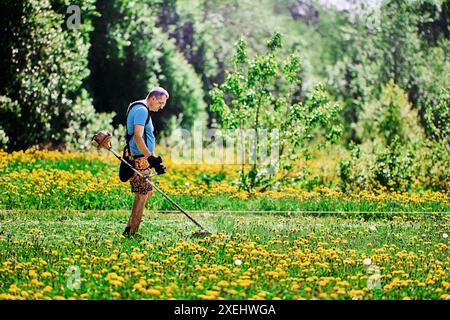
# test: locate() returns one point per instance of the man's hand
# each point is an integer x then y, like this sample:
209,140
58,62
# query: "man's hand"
160,169
156,163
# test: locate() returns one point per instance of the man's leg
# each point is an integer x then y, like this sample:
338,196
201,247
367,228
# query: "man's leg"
136,213
142,190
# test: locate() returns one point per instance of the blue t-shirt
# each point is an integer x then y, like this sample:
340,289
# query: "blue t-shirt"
138,115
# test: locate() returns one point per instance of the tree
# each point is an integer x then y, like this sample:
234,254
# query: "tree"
43,65
248,100
130,55
390,116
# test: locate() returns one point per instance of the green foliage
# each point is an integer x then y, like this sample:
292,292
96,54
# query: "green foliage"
217,25
437,117
393,167
388,67
390,133
44,65
342,56
241,52
274,43
389,70
431,165
123,57
247,100
399,167
3,139
365,52
208,178
130,55
184,86
186,24
389,116
78,134
395,153
374,166
8,107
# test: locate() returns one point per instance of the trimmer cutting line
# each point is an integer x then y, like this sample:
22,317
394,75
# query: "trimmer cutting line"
102,140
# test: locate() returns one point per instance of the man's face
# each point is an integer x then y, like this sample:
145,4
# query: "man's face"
157,103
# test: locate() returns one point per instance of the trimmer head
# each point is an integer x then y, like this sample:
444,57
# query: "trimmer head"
102,140
201,233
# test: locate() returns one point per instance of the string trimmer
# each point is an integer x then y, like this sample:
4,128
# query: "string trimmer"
102,140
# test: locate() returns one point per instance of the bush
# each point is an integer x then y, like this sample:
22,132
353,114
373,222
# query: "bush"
431,166
437,116
389,115
389,156
43,66
79,133
392,167
374,165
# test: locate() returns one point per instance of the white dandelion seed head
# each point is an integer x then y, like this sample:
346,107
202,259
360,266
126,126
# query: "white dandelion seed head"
445,236
367,261
238,262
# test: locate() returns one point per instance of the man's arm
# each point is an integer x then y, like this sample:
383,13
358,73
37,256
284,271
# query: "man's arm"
138,132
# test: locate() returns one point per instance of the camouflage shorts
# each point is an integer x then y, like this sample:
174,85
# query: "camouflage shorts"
138,184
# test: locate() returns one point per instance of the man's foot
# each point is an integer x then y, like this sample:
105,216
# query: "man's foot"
127,232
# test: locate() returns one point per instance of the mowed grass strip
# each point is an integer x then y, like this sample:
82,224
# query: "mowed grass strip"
81,255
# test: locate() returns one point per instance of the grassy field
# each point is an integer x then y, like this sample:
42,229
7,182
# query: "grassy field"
62,214
81,255
47,180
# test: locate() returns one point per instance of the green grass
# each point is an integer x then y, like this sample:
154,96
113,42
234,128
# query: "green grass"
287,257
116,199
49,180
366,209
299,245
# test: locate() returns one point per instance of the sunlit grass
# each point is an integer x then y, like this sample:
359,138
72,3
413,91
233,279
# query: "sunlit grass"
286,257
85,181
312,243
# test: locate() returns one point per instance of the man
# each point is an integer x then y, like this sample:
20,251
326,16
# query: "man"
142,147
